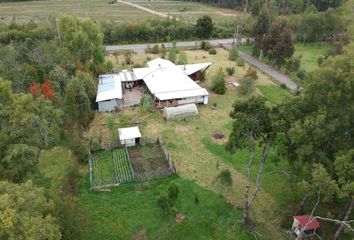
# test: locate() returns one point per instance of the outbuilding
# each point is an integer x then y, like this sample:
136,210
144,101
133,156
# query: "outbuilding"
305,225
129,136
109,93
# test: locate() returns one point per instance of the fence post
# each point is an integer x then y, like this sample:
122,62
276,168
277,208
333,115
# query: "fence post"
90,167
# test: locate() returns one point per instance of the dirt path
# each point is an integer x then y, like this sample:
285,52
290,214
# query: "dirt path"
143,8
276,75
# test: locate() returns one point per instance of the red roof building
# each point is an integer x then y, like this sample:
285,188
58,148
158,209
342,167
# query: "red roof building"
305,225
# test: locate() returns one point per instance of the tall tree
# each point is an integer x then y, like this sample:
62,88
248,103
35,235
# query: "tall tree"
25,213
204,27
261,30
252,125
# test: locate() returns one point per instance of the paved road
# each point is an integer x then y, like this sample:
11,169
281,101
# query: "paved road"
276,75
140,48
143,8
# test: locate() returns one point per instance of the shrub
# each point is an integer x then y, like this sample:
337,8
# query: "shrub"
78,146
172,55
283,86
128,58
225,177
202,44
109,66
182,58
147,103
218,83
230,70
202,76
155,49
320,60
240,62
233,54
212,51
207,46
173,191
293,64
163,51
301,73
251,72
163,202
246,86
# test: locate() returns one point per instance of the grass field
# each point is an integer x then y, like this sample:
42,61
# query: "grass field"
97,9
130,212
119,12
190,11
309,52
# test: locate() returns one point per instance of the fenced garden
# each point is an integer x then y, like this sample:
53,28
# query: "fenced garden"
118,165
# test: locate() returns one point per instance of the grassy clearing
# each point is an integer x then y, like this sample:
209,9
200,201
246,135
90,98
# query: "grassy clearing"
97,9
274,94
130,212
310,54
191,11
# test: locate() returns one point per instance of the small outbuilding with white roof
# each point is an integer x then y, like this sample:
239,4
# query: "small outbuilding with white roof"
109,93
129,136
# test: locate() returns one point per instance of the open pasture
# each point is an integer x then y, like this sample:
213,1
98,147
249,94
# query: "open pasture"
96,9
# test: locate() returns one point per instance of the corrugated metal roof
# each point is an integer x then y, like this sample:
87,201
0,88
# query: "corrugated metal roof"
129,133
109,87
189,69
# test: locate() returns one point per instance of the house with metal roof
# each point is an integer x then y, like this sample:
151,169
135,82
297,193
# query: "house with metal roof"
109,93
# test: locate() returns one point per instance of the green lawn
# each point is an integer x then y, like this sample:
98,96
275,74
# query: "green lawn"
130,212
274,94
310,54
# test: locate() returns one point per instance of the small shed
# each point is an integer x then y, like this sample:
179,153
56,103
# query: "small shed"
180,112
306,225
129,136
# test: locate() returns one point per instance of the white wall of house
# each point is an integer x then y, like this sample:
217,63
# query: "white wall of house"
191,100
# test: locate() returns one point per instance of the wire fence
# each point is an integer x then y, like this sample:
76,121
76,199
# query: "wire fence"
106,171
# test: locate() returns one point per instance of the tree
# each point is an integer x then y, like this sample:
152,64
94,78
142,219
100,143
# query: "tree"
252,125
80,90
18,161
26,213
204,27
218,82
261,30
247,86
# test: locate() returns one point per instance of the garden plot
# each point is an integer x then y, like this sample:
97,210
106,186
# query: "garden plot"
149,162
110,167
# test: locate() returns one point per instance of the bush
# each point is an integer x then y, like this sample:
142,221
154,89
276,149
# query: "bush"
246,86
240,62
283,86
301,73
251,72
293,64
207,46
230,70
202,44
78,146
225,178
163,202
172,55
128,58
163,51
155,49
233,54
173,191
212,51
182,58
218,83
147,103
109,66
